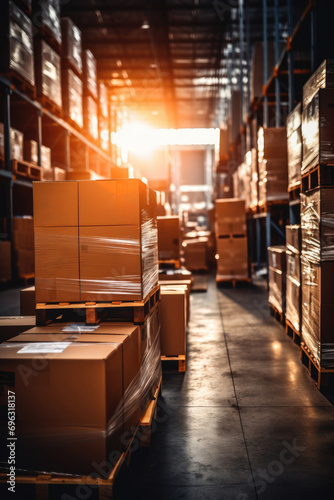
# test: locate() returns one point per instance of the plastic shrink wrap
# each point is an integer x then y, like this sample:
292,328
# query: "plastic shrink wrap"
295,145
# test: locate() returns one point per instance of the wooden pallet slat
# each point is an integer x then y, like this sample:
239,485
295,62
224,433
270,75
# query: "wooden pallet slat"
319,176
292,332
171,263
181,359
26,169
319,374
278,315
233,281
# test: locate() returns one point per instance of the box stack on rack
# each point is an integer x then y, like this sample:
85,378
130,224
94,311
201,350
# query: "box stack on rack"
231,239
115,365
90,102
293,281
72,88
277,280
104,125
47,50
318,128
30,155
195,253
17,54
295,145
273,166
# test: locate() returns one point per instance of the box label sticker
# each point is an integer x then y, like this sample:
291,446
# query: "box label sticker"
80,328
44,348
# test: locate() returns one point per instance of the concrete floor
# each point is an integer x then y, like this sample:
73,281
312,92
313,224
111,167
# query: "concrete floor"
244,422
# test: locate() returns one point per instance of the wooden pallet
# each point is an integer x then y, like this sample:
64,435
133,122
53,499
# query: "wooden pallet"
294,192
97,311
104,487
318,176
278,315
50,105
252,210
233,281
292,332
25,169
181,359
20,83
321,376
265,205
27,277
174,264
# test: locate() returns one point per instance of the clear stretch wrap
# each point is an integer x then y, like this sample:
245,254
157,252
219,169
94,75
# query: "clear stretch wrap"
273,180
16,37
75,415
317,130
322,78
277,289
72,48
90,73
317,225
90,117
107,230
293,302
48,13
48,72
295,145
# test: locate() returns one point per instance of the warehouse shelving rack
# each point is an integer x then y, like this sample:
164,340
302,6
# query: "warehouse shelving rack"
74,152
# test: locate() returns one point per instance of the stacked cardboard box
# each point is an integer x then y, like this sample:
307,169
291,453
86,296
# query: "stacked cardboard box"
242,182
294,144
5,261
293,278
23,245
108,231
100,387
173,317
48,14
317,215
231,239
195,252
251,160
16,40
273,164
14,325
72,96
16,143
277,277
48,73
27,301
90,90
169,236
71,45
30,155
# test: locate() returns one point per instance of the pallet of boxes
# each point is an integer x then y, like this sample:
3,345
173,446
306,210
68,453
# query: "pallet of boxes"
175,284
87,377
231,241
293,285
277,281
317,223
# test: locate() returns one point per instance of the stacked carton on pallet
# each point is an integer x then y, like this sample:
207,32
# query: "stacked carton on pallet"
110,371
169,239
294,147
277,278
293,278
231,239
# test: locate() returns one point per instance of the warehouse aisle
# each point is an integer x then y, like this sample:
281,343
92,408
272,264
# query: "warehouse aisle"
245,422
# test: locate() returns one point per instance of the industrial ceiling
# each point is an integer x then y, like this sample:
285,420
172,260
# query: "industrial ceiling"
173,62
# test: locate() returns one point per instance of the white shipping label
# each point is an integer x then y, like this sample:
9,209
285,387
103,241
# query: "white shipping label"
44,348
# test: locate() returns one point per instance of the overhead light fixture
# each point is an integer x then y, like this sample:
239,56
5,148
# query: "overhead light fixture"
145,25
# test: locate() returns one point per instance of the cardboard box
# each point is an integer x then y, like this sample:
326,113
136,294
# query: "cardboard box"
89,73
24,260
230,216
48,15
14,325
169,238
16,138
322,78
23,233
317,310
293,238
277,257
293,265
30,154
90,120
172,308
272,144
175,274
5,261
318,130
115,202
111,263
233,257
179,285
57,264
71,43
273,180
63,415
293,303
48,72
72,92
277,289
28,301
195,253
294,145
317,224
56,204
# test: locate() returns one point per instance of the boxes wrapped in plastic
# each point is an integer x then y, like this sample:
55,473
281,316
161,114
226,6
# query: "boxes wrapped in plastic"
230,216
30,154
232,258
293,237
108,231
277,257
90,117
293,303
72,92
100,386
16,38
48,72
317,225
272,144
47,12
317,310
241,183
277,289
16,138
318,130
89,73
273,180
71,46
195,253
322,78
293,265
295,145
